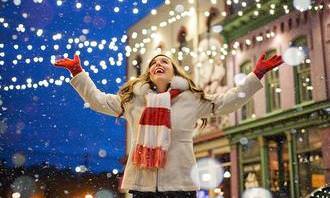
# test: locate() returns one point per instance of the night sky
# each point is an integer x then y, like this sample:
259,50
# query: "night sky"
43,119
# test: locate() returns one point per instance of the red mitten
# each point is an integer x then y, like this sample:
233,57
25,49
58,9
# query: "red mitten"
263,66
72,65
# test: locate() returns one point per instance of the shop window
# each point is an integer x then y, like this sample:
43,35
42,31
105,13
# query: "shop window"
278,165
251,164
247,110
311,169
302,73
224,189
273,89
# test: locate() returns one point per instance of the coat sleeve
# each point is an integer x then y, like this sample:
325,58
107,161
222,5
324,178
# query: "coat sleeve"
230,101
99,101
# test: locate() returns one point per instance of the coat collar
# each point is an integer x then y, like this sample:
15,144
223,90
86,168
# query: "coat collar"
177,82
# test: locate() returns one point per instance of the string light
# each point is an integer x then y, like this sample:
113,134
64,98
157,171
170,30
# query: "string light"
240,13
128,50
78,5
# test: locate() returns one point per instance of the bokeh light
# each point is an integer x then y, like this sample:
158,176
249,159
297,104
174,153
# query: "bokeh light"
23,186
302,5
256,193
244,140
37,98
18,159
208,173
104,194
240,79
293,56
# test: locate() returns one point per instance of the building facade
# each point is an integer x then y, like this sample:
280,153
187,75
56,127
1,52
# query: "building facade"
279,139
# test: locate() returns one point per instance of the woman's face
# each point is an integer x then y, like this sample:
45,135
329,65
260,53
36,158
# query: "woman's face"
161,69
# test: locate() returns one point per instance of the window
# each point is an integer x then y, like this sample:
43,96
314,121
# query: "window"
298,21
234,8
311,170
254,40
274,29
241,46
290,24
302,73
273,90
224,186
278,165
282,27
250,163
248,109
305,17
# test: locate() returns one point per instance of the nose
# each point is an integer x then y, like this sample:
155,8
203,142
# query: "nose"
158,62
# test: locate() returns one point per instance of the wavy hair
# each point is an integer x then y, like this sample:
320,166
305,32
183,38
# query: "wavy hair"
126,91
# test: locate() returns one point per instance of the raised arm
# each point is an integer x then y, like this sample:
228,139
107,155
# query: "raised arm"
99,101
236,97
72,65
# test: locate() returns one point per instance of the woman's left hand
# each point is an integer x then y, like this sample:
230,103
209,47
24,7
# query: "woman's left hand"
263,66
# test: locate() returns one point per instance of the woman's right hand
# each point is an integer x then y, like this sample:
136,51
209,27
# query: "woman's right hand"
72,65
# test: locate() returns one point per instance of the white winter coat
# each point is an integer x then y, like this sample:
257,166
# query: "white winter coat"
186,109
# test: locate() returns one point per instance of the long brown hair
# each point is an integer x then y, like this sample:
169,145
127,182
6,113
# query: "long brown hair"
126,91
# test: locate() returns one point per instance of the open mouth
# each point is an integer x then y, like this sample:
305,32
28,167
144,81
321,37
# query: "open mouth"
159,70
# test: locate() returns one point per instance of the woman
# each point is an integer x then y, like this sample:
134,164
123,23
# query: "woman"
161,108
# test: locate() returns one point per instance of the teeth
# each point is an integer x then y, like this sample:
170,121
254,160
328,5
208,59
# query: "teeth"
159,70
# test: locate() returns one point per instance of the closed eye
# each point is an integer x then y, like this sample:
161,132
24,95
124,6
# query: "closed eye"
165,61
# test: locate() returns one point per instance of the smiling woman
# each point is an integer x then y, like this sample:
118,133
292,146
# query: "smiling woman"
162,106
161,72
148,124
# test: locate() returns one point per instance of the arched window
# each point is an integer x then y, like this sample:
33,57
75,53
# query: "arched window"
297,21
248,109
273,90
302,73
305,17
290,24
282,27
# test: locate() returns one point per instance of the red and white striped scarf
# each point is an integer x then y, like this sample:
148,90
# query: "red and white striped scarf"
154,132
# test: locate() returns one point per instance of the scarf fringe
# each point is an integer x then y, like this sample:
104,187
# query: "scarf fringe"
145,157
